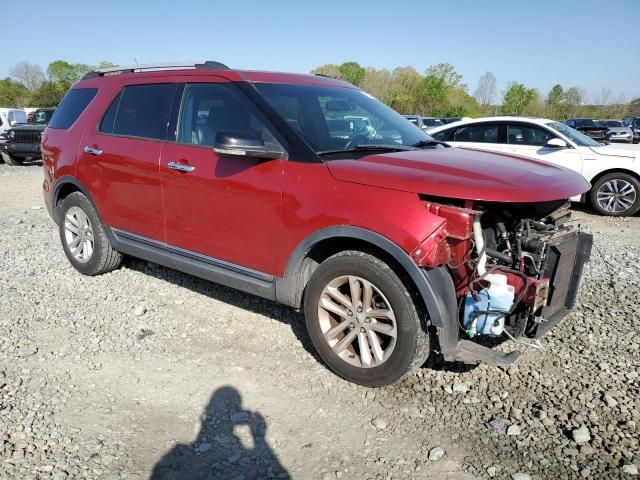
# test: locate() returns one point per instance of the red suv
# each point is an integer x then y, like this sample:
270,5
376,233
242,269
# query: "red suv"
306,190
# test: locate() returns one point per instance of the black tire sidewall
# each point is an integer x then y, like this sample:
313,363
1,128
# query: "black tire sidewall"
407,320
610,176
93,266
11,160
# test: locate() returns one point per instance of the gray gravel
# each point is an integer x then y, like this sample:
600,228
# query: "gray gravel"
147,370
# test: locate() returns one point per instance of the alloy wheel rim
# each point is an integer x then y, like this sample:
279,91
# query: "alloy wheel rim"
357,321
616,195
78,234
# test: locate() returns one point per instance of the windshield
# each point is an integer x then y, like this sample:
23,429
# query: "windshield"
585,122
41,117
431,122
335,118
575,136
610,123
16,116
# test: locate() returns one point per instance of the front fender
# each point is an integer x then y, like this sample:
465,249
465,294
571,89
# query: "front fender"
435,286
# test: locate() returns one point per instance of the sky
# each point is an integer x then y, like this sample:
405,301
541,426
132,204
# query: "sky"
589,44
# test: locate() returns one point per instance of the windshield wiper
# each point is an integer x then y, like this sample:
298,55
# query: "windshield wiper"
370,148
429,143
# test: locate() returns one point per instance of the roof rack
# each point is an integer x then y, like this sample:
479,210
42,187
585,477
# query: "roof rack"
206,65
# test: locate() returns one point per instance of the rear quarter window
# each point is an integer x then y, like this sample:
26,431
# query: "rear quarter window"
72,105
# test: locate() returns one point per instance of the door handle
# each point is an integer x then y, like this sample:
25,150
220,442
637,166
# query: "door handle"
181,167
92,151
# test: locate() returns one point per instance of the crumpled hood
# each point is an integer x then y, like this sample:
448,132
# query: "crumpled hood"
464,174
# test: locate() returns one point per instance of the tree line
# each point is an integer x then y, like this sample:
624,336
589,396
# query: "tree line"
439,92
31,86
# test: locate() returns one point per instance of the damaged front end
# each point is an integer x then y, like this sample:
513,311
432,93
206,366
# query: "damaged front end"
516,268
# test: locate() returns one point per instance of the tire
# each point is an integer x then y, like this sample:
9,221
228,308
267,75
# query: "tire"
11,160
397,358
78,215
616,194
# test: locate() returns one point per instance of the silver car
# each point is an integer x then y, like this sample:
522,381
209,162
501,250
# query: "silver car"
618,130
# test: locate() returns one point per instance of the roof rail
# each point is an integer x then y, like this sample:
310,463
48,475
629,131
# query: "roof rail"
206,65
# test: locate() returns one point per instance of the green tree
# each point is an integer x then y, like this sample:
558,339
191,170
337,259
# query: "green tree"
329,70
105,64
633,108
516,98
403,90
431,95
461,104
65,74
448,74
47,95
378,83
13,94
352,72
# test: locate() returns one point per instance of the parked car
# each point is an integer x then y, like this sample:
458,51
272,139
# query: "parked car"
634,124
23,140
612,171
234,176
451,119
424,122
618,131
589,127
10,117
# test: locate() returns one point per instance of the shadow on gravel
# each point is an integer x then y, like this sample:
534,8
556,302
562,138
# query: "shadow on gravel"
219,452
239,299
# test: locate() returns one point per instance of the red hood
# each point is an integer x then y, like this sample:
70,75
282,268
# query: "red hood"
463,173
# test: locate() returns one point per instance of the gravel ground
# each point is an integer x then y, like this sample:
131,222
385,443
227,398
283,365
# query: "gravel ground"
143,371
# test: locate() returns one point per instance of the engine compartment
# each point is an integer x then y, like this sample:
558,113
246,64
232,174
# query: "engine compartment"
516,266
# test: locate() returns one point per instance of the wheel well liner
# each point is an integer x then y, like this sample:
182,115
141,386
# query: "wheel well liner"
434,286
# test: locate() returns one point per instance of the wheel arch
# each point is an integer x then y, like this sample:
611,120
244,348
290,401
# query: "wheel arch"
65,186
601,174
434,286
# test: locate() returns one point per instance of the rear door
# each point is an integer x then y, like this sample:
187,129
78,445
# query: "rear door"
119,160
482,136
227,208
530,140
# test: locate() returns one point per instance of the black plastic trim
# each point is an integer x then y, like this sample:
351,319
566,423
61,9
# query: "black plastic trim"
435,285
212,269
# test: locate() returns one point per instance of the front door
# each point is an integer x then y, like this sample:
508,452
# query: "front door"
224,207
531,141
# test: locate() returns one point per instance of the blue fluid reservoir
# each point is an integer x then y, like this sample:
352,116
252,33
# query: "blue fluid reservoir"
497,298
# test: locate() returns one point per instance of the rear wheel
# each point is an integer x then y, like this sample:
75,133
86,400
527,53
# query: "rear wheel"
84,238
363,320
11,159
616,194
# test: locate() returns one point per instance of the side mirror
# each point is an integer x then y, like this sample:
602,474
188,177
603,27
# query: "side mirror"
244,144
556,143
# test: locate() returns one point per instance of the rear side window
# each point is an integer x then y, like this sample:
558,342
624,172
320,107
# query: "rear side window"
72,105
140,111
106,125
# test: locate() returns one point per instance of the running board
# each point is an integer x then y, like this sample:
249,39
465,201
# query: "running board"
472,353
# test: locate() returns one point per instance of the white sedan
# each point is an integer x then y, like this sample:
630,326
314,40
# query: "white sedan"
613,170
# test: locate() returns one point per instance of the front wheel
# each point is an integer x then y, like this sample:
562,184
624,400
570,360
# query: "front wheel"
616,194
363,320
11,159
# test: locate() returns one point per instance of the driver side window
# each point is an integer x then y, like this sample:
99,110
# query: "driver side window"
210,108
528,135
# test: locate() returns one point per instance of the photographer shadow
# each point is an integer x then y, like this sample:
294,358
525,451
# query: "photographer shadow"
218,451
